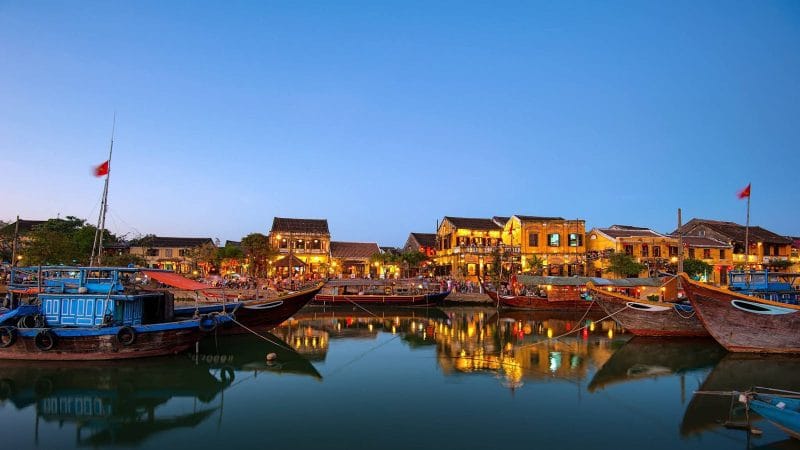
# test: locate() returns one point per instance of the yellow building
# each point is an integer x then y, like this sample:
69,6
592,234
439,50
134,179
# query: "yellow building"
466,246
353,260
549,245
655,250
767,249
169,253
715,253
303,245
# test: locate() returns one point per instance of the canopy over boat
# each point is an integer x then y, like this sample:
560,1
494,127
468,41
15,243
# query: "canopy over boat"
176,281
531,280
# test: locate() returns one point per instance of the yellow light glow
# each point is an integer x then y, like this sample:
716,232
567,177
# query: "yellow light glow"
610,333
370,327
549,332
591,326
394,329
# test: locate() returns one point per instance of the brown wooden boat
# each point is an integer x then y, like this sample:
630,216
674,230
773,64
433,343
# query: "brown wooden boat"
262,314
742,323
536,303
378,292
648,318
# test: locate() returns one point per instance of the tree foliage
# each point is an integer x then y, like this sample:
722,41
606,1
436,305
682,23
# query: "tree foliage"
624,265
61,241
695,267
256,247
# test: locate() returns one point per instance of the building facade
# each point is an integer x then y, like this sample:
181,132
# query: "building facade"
466,247
658,252
715,253
171,253
303,245
547,245
354,260
766,249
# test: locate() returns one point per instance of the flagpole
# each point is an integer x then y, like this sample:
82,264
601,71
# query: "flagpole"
747,232
101,220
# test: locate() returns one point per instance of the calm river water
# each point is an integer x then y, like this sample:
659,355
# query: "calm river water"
401,379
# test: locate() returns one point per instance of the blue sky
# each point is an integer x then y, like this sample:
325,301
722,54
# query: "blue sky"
385,116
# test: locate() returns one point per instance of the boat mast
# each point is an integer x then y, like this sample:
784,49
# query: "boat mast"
14,244
97,246
747,233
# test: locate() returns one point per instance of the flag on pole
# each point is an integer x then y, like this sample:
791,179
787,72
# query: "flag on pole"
101,170
744,193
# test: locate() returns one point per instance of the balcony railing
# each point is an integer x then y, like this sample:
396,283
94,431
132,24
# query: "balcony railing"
484,249
304,251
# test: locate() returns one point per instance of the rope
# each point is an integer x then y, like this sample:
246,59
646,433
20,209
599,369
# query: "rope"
368,311
363,354
677,311
579,328
260,335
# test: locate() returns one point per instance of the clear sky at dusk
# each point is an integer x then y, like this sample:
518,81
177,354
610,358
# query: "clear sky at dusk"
383,117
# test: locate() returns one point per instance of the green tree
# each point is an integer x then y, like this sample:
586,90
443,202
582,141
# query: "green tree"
779,264
256,247
207,256
412,260
624,266
695,267
536,265
61,241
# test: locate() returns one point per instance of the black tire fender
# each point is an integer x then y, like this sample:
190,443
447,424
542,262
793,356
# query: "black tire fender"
126,335
45,340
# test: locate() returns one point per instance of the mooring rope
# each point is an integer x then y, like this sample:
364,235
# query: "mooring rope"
360,356
260,335
577,329
365,309
677,311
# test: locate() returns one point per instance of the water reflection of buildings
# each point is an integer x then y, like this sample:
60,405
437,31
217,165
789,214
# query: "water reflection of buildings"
525,345
310,331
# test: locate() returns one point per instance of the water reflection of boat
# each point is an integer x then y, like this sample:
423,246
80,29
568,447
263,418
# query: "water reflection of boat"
111,402
249,353
380,292
643,357
737,372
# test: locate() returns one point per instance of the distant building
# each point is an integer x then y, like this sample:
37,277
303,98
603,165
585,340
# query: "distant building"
170,253
717,254
648,247
353,259
307,241
424,243
766,247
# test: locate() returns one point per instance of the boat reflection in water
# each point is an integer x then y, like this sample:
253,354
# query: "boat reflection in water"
520,345
738,372
125,403
652,357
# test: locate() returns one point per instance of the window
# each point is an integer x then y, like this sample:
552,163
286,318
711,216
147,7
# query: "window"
706,253
152,252
691,253
656,251
628,249
315,244
533,239
722,253
300,244
645,250
168,252
183,252
575,240
554,240
673,250
284,243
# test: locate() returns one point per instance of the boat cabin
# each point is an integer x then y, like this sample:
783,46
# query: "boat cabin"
774,286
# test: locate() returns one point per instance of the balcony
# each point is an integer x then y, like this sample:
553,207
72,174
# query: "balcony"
306,251
484,249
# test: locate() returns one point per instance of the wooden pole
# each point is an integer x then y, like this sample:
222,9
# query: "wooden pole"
680,243
747,234
14,244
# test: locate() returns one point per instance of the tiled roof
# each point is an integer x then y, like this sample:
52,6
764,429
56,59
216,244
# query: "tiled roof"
795,241
25,226
536,218
233,243
311,226
501,220
616,233
353,249
736,232
170,242
627,227
702,241
472,223
425,239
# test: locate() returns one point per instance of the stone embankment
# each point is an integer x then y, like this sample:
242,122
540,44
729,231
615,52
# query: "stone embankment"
467,299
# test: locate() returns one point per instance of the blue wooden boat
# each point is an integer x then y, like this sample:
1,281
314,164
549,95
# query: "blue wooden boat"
781,408
92,313
766,285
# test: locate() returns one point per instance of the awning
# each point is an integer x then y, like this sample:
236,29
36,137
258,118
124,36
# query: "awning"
284,262
175,280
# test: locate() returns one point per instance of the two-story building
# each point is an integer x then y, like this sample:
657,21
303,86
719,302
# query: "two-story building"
715,253
424,243
547,245
465,246
170,253
303,245
765,247
648,247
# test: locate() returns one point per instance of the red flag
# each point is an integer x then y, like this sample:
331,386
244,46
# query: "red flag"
101,170
745,192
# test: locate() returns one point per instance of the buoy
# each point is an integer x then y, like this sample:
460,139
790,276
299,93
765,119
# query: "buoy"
272,356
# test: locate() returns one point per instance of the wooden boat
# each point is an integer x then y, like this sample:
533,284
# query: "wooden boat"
648,318
383,292
781,408
743,323
93,313
261,314
765,284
